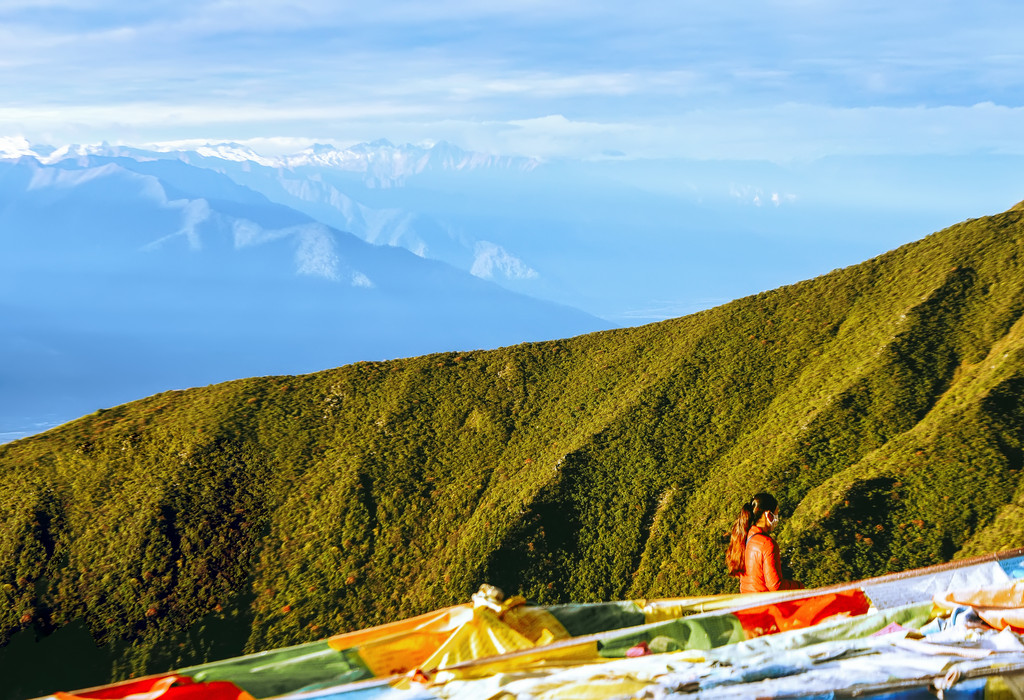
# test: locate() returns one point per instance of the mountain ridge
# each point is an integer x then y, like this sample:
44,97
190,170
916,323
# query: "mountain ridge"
330,183
168,257
384,163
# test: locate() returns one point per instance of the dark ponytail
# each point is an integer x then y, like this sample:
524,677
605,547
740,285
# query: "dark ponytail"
750,513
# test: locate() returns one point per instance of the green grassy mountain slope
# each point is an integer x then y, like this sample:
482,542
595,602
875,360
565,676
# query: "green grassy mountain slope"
881,403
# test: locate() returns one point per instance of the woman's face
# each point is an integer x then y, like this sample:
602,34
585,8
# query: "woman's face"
771,519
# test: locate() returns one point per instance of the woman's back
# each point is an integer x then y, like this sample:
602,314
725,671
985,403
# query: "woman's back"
762,563
752,554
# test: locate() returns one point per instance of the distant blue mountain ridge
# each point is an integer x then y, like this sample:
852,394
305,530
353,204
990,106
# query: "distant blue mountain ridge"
122,277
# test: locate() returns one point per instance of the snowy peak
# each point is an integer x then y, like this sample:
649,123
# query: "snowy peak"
16,147
382,163
320,181
388,164
233,152
13,147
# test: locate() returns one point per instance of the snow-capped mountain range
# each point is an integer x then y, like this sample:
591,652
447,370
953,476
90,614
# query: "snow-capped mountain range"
382,163
123,275
341,187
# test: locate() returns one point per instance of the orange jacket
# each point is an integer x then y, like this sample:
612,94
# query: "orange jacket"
763,564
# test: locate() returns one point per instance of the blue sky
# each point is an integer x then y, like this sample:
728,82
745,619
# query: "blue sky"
776,79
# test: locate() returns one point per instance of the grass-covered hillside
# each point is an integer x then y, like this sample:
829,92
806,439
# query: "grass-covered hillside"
883,404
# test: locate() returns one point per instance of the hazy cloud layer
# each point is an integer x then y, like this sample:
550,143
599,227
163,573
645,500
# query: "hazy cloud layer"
775,79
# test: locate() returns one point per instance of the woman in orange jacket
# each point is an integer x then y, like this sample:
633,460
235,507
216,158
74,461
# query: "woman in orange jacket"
753,554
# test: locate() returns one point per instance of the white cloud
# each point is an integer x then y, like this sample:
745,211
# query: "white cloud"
779,79
149,114
531,85
781,133
15,147
491,259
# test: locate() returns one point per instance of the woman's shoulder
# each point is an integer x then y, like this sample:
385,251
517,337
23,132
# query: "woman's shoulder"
764,541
